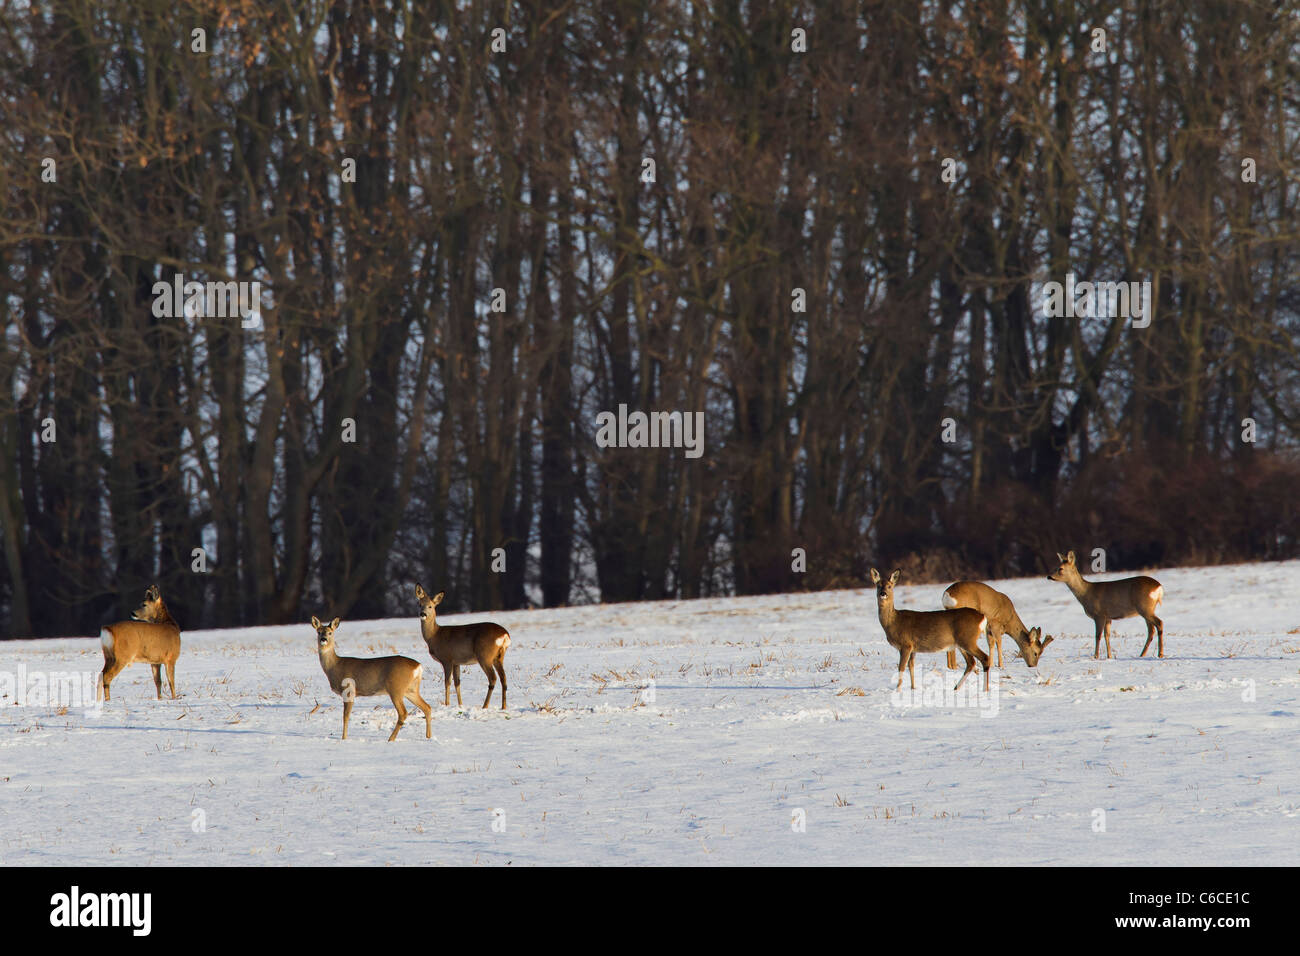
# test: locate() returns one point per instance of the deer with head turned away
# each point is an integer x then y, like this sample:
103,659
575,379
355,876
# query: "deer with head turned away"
152,636
1106,601
452,645
929,631
353,677
1002,617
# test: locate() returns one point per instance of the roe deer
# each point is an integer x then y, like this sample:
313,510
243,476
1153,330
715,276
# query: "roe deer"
353,677
455,644
1105,601
152,636
1002,616
929,631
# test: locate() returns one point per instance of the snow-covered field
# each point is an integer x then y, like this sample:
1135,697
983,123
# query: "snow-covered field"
734,731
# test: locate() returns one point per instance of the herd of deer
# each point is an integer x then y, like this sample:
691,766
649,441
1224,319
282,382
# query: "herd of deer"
152,635
971,611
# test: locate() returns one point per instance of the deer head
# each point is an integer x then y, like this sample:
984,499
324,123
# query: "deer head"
325,633
1066,569
1033,648
885,589
427,604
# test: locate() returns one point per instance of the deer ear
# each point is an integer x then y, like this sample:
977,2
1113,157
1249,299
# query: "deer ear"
419,593
893,578
1070,559
875,576
1047,641
334,625
437,598
314,622
1060,557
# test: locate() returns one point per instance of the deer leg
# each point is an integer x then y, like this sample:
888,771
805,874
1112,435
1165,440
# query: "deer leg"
1151,633
902,666
401,715
456,671
446,686
1160,629
171,677
952,659
413,695
492,682
1110,656
157,678
1096,649
911,668
347,712
501,669
970,665
111,670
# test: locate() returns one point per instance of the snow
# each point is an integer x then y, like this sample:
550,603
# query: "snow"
767,712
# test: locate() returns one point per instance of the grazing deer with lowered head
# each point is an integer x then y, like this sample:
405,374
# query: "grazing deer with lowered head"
1002,617
152,636
929,631
1106,601
455,644
353,677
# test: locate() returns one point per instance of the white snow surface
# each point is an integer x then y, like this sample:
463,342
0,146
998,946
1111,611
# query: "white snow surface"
772,737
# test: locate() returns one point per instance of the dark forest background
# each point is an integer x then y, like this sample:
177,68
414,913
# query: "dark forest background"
523,170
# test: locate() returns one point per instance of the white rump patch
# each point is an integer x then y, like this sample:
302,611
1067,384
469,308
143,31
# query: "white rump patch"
949,601
1158,594
106,638
503,640
984,623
